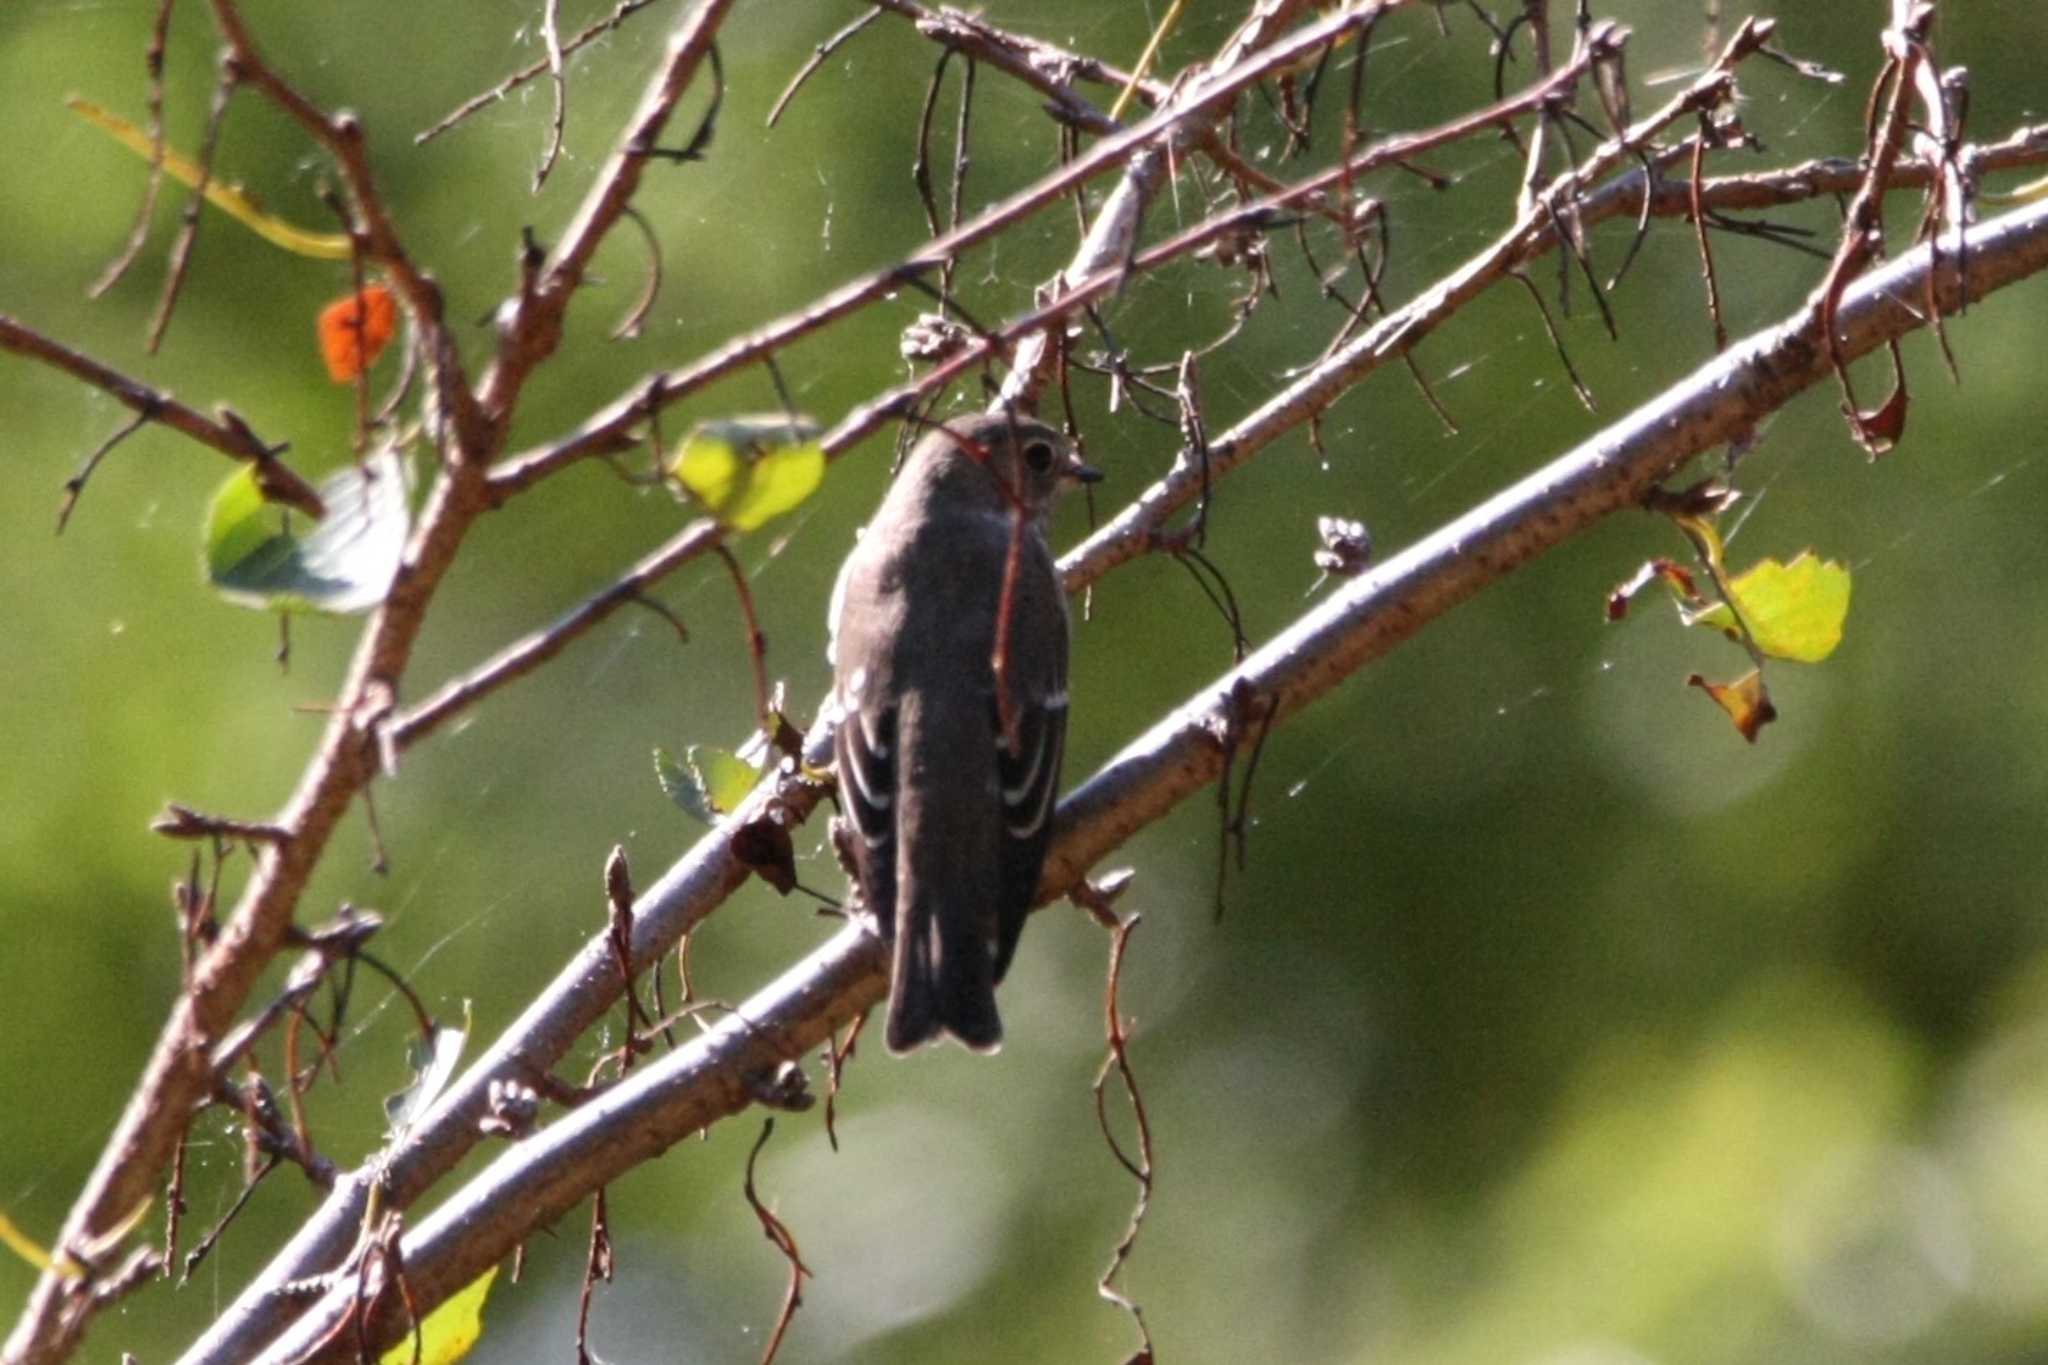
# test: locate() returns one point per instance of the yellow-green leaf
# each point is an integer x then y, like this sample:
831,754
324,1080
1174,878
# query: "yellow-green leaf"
451,1329
342,564
746,471
1794,611
708,783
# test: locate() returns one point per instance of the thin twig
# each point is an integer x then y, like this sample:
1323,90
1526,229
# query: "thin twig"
777,1232
551,40
529,652
625,10
757,643
145,213
188,225
75,485
1118,1058
610,428
819,55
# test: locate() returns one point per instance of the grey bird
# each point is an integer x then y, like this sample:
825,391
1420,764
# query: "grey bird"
949,738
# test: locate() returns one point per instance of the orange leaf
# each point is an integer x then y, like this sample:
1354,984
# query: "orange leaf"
1746,700
355,329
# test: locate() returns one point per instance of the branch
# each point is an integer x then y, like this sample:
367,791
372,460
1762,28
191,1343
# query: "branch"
611,427
532,326
1365,619
342,135
1136,529
177,1078
230,435
526,654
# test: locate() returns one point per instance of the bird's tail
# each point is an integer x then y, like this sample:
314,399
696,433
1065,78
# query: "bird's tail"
936,985
947,879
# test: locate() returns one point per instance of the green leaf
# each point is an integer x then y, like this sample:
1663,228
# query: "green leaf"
342,564
746,471
432,1061
708,783
451,1329
1794,611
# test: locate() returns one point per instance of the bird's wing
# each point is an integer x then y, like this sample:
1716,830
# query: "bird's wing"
1028,770
1030,784
865,747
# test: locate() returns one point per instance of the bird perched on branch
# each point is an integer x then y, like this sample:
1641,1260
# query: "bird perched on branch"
949,653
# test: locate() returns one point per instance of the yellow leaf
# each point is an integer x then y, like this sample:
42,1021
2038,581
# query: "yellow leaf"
451,1329
232,200
22,1245
747,471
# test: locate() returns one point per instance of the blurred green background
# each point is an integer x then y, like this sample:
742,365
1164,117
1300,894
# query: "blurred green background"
1549,1022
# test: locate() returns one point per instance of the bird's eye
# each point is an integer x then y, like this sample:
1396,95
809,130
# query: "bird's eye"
1039,456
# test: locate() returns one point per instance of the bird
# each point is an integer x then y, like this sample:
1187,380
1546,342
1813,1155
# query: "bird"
948,648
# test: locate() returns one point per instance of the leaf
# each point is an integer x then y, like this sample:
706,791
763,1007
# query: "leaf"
232,200
1793,611
354,331
22,1245
1746,700
450,1330
746,471
343,564
707,784
2033,192
1879,429
432,1062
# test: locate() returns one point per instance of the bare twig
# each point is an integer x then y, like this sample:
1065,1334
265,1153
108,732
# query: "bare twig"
531,322
777,1232
818,56
524,655
145,213
74,486
188,223
623,11
342,135
1118,1058
551,40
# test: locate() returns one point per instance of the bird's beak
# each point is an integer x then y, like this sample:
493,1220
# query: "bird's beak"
1081,473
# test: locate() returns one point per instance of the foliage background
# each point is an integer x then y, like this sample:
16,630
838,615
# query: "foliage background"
1548,1022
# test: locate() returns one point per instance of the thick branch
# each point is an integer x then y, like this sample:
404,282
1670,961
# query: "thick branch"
676,1096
